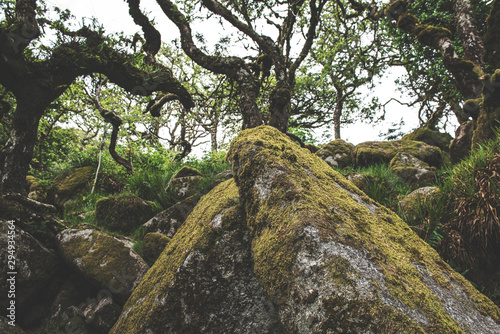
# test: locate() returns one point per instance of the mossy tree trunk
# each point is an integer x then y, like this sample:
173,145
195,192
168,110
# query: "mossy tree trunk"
467,72
36,83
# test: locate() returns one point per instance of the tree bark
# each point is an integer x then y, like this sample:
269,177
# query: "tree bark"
18,150
467,31
337,114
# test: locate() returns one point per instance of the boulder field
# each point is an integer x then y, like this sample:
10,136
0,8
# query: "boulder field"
290,246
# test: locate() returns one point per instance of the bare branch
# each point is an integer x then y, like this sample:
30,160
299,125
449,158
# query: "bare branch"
153,37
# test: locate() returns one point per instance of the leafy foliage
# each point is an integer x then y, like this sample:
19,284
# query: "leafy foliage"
348,55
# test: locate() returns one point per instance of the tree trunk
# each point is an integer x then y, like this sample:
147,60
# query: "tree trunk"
280,99
249,92
336,118
467,30
18,150
280,108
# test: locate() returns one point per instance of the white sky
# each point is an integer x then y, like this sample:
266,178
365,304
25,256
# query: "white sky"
113,15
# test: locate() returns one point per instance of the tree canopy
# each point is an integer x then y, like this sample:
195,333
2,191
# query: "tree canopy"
278,62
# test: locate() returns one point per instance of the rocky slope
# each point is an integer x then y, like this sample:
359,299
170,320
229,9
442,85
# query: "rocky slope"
290,246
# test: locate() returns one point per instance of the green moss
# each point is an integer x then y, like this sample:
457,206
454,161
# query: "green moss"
408,22
35,188
71,183
395,9
371,153
431,137
187,171
196,234
341,312
123,213
489,112
104,258
467,66
431,35
303,194
154,244
337,153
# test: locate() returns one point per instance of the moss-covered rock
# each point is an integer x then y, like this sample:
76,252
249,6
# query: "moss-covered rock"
123,213
170,220
431,137
413,202
374,152
187,171
412,170
101,314
154,244
337,153
362,181
35,190
70,184
183,187
331,259
203,282
104,260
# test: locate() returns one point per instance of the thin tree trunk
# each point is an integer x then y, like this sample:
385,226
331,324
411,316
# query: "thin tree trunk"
336,118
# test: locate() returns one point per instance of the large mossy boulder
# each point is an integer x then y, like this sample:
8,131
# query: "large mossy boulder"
123,213
431,137
105,261
337,153
203,281
70,184
376,152
294,247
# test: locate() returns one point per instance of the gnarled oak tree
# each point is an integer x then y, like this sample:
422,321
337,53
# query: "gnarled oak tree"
37,79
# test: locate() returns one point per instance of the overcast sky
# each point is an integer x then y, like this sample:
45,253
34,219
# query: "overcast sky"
113,15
